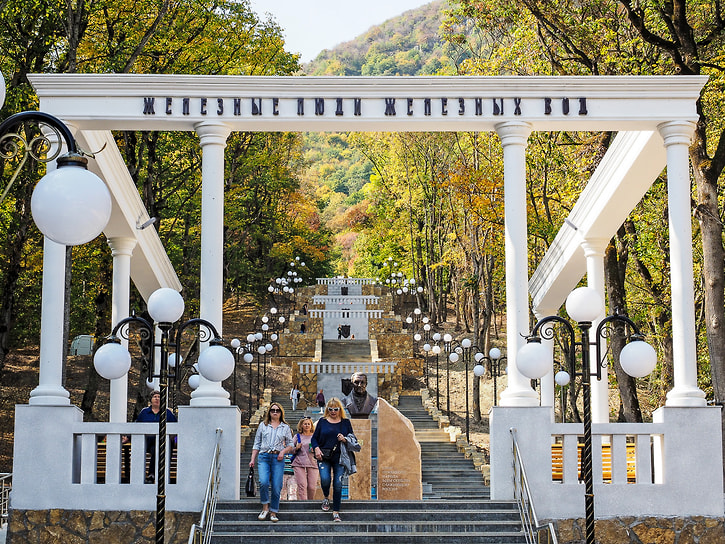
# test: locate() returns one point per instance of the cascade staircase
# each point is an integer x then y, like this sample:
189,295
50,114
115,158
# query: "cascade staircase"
349,351
455,506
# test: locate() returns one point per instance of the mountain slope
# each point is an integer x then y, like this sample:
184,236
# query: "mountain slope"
405,45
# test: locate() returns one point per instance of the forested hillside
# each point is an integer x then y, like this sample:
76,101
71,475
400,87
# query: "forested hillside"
407,45
433,201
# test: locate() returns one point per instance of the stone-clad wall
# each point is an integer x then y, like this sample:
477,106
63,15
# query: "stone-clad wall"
81,526
298,345
394,345
632,530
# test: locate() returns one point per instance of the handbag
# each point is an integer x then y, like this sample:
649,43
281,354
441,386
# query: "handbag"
249,488
327,453
293,455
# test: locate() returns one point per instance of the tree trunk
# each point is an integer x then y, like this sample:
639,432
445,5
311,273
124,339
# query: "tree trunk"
615,264
713,271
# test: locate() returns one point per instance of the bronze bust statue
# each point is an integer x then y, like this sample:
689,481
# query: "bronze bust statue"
359,403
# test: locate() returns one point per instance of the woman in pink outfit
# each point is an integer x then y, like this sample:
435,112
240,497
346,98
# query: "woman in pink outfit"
304,463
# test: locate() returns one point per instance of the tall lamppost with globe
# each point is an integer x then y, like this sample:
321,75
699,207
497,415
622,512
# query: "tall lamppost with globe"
535,360
495,359
464,350
215,363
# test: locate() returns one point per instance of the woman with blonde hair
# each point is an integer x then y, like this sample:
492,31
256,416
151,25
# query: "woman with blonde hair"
272,441
332,438
304,463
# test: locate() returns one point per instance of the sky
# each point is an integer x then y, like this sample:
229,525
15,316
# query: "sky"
310,26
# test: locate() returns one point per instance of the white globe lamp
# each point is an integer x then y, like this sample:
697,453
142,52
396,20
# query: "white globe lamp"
216,363
562,378
71,205
638,358
534,360
112,361
165,305
584,304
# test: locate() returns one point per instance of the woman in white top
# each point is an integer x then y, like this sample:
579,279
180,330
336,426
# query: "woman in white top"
294,396
272,441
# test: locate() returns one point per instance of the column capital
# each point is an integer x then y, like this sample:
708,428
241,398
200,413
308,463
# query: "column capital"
513,132
212,132
594,247
122,245
677,132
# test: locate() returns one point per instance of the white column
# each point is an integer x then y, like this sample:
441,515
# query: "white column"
121,250
514,136
677,135
594,252
50,390
213,139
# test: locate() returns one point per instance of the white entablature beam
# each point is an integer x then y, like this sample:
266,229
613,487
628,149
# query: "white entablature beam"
150,265
632,163
398,104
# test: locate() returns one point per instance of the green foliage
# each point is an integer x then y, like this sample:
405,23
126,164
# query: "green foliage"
269,216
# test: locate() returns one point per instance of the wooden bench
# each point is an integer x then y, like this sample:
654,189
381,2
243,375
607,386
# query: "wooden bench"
557,463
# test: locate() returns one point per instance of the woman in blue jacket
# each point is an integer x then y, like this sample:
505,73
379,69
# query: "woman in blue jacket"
330,436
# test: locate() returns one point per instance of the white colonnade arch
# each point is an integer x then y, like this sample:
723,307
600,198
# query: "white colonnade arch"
658,111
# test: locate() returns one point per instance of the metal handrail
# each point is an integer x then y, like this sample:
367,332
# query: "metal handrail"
201,532
533,529
6,484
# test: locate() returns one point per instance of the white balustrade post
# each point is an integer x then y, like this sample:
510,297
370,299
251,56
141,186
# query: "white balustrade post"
121,250
677,136
514,136
213,139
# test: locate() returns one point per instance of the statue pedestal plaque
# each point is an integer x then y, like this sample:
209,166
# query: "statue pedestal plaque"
399,475
359,483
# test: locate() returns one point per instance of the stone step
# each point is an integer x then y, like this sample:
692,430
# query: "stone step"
346,351
332,537
460,505
373,521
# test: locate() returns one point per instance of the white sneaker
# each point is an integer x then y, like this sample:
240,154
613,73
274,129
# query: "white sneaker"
263,515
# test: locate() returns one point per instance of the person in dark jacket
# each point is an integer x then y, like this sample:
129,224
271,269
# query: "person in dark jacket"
330,433
152,414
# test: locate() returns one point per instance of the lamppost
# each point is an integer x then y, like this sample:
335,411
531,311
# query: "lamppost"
447,339
534,361
215,363
464,350
70,205
237,350
494,360
426,347
249,358
436,349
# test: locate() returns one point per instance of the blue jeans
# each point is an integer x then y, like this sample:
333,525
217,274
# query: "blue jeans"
326,471
269,467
